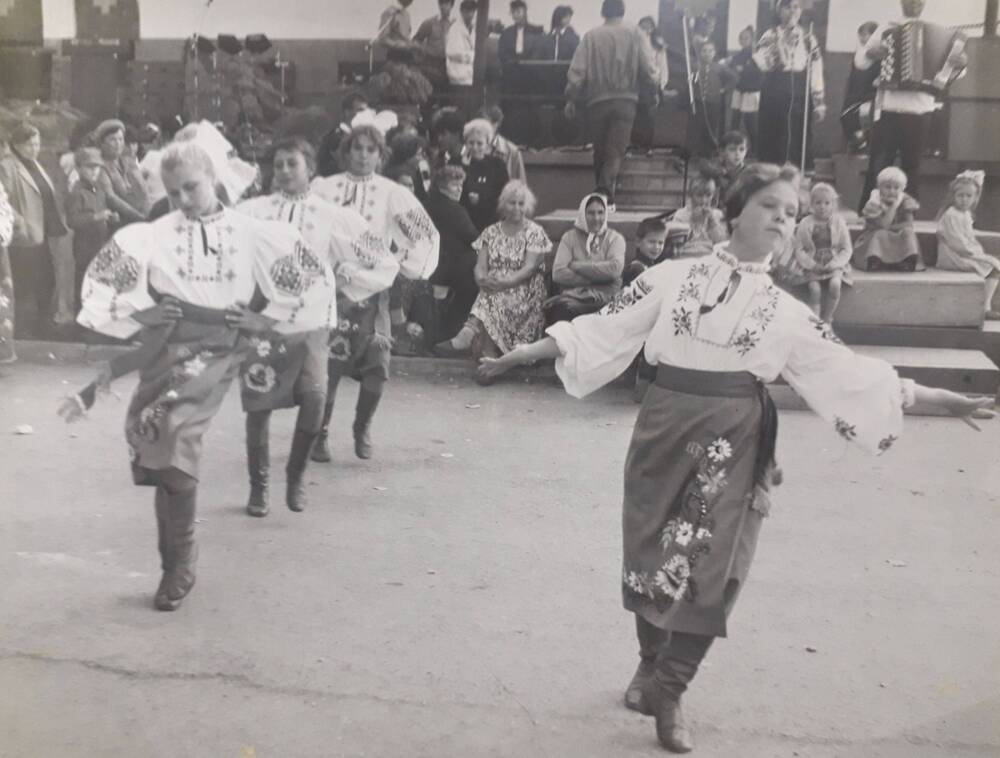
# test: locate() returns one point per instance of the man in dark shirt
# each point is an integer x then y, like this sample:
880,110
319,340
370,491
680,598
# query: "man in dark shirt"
517,40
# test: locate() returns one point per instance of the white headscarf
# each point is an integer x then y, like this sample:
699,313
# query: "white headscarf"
594,239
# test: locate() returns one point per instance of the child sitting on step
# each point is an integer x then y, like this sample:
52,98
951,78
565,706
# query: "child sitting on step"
822,248
650,248
958,248
706,225
889,241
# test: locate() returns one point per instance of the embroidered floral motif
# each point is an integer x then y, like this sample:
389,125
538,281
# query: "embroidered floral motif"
340,347
260,378
720,451
263,348
844,429
370,249
194,367
294,274
886,443
115,268
416,225
683,321
147,426
628,297
690,291
674,578
746,341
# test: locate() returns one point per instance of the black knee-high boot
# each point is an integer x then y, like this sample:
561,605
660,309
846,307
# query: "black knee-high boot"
651,639
676,664
258,461
175,517
367,403
298,458
321,446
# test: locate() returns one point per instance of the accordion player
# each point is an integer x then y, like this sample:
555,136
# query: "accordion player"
918,57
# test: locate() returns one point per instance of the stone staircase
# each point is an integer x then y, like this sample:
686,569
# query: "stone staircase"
651,184
928,324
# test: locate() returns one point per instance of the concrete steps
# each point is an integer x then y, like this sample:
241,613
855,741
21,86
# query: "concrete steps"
921,298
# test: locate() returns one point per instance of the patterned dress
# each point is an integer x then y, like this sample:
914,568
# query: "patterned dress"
694,502
7,353
512,316
208,265
363,267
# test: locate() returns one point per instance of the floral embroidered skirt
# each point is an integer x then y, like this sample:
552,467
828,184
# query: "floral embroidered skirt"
356,349
692,512
281,367
179,392
6,308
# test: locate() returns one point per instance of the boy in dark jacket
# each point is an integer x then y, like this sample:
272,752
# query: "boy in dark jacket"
87,212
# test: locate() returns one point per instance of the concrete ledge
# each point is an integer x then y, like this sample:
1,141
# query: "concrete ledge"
920,298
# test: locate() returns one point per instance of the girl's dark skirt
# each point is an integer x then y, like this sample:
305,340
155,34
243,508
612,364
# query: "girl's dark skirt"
280,368
693,506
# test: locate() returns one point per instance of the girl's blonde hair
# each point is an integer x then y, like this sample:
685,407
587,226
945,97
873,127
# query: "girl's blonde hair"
478,126
517,188
892,174
822,189
960,181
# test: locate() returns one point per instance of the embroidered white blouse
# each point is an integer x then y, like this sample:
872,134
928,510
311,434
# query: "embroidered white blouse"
394,214
216,262
718,314
359,257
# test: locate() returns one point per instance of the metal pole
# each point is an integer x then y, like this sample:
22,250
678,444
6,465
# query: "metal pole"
805,104
479,61
687,59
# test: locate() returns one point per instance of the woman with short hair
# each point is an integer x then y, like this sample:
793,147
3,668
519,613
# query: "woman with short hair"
485,174
701,460
183,285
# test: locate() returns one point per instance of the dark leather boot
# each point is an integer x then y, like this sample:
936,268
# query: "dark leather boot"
162,503
671,728
367,403
182,548
321,446
298,458
258,464
635,694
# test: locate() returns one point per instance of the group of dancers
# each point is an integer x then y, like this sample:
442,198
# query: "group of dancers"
288,293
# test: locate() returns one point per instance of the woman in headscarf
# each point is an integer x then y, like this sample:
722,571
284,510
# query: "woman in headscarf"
701,460
359,346
589,263
183,285
787,54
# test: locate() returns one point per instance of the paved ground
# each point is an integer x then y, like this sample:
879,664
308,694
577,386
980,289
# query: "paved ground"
458,595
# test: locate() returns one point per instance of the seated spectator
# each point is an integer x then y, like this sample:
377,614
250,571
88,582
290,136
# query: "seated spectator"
328,154
518,41
460,49
889,241
408,156
958,247
485,174
502,147
731,161
446,135
509,309
588,265
453,281
650,248
706,225
822,248
561,41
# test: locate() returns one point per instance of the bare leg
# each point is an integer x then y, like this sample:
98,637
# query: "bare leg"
831,298
815,296
991,288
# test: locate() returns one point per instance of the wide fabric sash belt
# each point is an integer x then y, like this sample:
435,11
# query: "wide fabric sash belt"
731,384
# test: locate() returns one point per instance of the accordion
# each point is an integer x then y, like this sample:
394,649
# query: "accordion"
917,57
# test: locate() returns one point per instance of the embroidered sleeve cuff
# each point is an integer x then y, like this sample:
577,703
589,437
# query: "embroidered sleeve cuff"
908,392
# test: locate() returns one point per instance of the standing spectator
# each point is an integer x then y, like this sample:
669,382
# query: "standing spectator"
502,147
485,174
87,213
709,83
431,36
460,47
589,263
508,310
903,113
453,281
7,354
657,52
38,222
121,179
608,67
783,54
860,90
746,94
562,40
394,29
329,147
517,41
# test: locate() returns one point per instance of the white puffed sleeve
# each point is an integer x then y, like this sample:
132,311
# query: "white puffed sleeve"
863,398
596,348
363,264
6,219
116,283
298,284
416,238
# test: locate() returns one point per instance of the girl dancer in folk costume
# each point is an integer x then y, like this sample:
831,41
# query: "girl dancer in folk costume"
284,370
702,453
359,346
822,250
7,354
889,239
182,283
785,54
958,248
